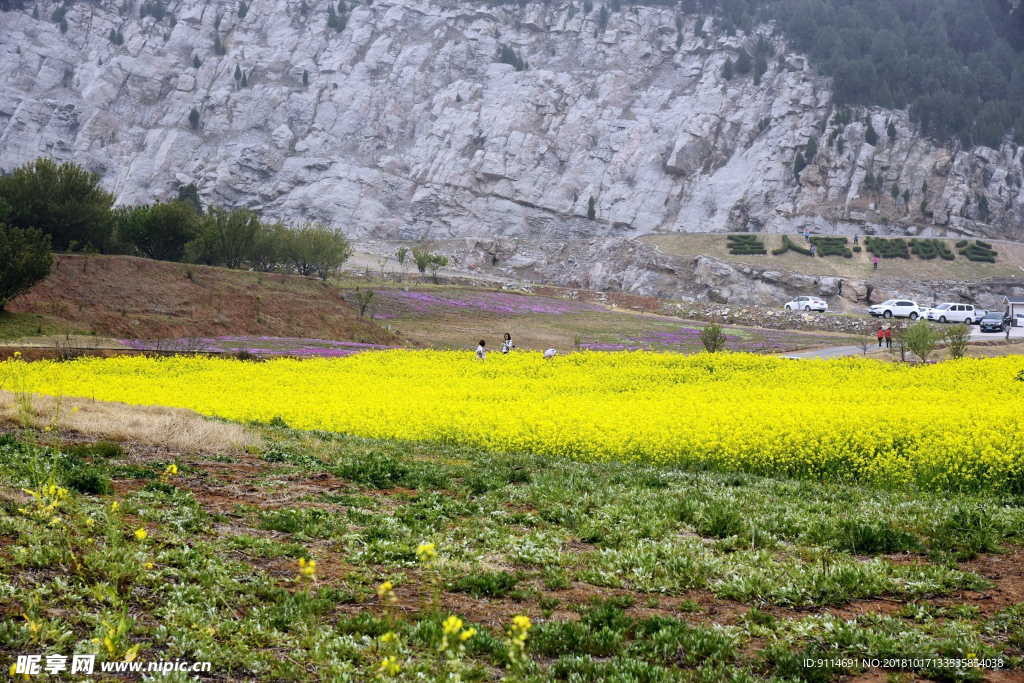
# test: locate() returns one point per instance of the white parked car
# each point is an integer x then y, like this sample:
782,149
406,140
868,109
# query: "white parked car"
954,313
896,308
807,303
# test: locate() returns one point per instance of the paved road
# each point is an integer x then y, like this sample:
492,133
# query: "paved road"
830,352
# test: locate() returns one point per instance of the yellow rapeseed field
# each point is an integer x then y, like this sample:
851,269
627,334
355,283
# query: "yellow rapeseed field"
951,425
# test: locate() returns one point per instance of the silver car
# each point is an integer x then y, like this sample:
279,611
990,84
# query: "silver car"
954,313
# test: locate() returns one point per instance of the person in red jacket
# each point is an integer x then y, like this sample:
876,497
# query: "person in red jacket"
881,336
888,337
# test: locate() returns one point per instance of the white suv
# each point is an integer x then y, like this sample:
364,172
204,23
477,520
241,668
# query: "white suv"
807,303
954,313
896,308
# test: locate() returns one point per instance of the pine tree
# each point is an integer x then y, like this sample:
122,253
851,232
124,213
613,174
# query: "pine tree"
602,17
304,8
245,81
870,136
869,180
760,67
458,97
113,36
727,69
193,117
799,164
743,62
591,211
924,187
588,6
63,25
616,6
906,197
891,131
243,9
895,191
332,17
812,149
305,77
238,73
196,61
35,13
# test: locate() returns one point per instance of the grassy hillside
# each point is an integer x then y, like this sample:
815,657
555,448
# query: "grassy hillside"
134,298
1009,262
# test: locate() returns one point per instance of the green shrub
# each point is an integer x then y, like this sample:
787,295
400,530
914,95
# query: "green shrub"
961,244
485,584
745,245
831,246
132,472
887,248
86,478
713,337
979,251
869,538
856,248
788,244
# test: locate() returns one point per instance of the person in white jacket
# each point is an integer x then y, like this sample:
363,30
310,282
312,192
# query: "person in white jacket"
550,353
506,344
480,353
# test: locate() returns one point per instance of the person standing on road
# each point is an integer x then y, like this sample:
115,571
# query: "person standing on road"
888,337
1008,326
506,344
881,336
807,235
840,288
856,239
480,353
812,251
875,261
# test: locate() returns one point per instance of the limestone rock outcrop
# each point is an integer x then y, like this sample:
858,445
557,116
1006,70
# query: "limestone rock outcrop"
404,125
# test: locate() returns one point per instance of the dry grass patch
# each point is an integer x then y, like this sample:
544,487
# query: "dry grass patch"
150,425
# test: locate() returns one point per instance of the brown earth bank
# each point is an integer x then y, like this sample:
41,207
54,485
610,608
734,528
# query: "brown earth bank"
134,298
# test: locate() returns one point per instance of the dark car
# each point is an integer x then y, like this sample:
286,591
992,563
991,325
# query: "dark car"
995,321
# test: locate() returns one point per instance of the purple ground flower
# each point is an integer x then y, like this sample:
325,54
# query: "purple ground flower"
262,346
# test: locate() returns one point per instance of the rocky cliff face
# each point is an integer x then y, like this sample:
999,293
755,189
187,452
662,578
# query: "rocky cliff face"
409,128
641,269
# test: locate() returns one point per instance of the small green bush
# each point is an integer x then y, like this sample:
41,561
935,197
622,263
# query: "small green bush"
831,246
745,245
485,584
788,244
887,248
979,251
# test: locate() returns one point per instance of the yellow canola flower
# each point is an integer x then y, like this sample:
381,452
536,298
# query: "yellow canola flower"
140,534
943,426
452,625
389,637
425,552
384,589
467,634
307,570
390,666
